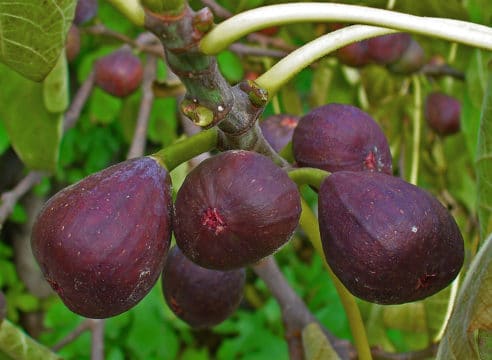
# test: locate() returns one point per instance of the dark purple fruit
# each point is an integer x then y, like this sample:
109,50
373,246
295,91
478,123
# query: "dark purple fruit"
200,297
337,137
235,209
72,43
412,59
355,55
387,49
85,11
388,241
119,73
101,242
442,112
278,130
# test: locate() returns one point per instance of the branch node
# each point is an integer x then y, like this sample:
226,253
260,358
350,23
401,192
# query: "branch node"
257,95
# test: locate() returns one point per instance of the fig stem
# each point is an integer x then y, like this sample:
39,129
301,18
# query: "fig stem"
417,129
309,224
246,22
308,176
186,149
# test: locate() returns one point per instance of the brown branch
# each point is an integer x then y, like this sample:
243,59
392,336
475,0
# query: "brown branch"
137,147
79,330
438,70
430,351
9,199
97,346
78,102
295,314
217,9
247,50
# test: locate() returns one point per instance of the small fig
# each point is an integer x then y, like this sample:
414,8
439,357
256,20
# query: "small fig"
119,73
388,241
278,130
355,54
72,43
201,297
442,113
101,242
85,11
387,49
235,209
412,59
337,137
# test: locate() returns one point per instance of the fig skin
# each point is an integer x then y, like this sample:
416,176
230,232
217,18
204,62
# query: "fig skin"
200,297
388,241
336,137
235,209
355,54
85,11
101,243
411,60
119,73
278,130
72,43
442,113
387,49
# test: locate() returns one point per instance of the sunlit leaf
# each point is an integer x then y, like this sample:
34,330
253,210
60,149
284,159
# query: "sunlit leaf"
32,34
473,309
316,345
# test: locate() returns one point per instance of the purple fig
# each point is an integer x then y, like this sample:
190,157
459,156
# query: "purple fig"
412,59
119,73
337,137
101,242
355,54
235,209
387,49
278,130
388,241
72,43
442,113
85,11
201,297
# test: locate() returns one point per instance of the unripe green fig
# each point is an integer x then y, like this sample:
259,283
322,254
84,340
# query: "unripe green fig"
101,242
388,241
201,297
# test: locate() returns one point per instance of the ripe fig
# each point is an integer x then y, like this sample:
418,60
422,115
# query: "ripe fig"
387,49
235,209
85,11
278,129
101,242
201,297
337,137
442,113
388,241
355,55
119,73
412,59
72,43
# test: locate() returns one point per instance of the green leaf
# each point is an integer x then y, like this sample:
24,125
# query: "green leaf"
55,87
472,309
4,139
230,65
484,162
32,34
316,345
34,132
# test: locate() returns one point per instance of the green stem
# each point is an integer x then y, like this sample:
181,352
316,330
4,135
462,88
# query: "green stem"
184,150
309,224
310,176
417,126
284,70
246,22
131,9
17,345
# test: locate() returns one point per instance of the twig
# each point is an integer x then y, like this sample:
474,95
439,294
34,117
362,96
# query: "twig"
78,102
217,9
79,330
295,314
10,198
247,50
137,147
97,346
431,351
442,70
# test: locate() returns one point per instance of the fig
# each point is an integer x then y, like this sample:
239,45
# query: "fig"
72,43
337,137
234,209
119,73
85,11
101,242
278,130
388,241
355,54
387,49
442,113
412,59
201,297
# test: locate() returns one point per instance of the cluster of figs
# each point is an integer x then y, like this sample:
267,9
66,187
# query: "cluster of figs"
103,242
